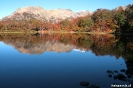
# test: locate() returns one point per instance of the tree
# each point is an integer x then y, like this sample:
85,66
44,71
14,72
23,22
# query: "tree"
1,25
65,24
84,22
120,17
103,20
129,15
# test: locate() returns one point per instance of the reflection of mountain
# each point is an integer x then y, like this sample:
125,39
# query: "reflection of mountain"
79,50
31,46
43,47
100,45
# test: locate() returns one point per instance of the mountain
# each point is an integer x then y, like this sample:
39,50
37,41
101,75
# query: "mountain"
83,13
121,7
37,12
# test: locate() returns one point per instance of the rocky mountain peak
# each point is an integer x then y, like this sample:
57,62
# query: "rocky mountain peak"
37,12
29,9
83,13
121,7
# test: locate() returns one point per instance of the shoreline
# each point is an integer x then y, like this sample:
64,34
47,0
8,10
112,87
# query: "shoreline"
62,32
48,32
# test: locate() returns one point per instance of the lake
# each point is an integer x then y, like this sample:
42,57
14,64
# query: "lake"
65,60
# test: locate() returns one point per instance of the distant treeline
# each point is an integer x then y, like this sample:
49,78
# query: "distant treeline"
119,20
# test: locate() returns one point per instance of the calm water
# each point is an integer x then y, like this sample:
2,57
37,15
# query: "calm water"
65,60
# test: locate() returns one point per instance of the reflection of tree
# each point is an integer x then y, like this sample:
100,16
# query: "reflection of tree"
123,48
104,44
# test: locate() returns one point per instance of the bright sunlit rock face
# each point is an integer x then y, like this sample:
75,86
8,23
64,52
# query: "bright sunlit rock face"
37,12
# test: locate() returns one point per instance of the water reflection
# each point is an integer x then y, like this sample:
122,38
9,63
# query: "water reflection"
107,60
100,45
37,44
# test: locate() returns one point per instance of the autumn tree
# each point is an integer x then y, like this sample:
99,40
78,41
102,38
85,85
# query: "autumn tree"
84,23
103,20
120,17
129,15
1,25
66,25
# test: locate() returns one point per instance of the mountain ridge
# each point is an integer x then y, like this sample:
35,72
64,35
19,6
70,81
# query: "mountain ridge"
37,12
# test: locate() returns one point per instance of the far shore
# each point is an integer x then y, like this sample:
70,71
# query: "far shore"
60,32
47,32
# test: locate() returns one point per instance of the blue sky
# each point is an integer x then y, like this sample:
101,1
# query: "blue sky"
9,6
